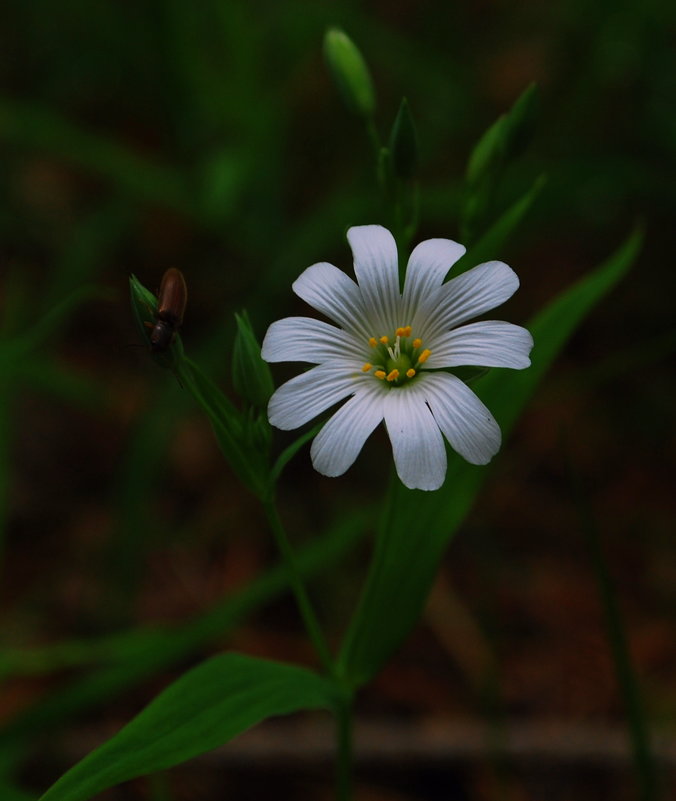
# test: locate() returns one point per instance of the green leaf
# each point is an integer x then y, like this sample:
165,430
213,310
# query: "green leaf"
404,143
492,242
417,526
500,143
503,139
243,441
204,709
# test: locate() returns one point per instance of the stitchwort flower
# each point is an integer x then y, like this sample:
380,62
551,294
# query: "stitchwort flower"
392,354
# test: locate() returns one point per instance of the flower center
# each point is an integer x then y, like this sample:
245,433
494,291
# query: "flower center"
396,359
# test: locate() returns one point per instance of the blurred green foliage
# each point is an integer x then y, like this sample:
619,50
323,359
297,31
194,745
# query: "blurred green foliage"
140,136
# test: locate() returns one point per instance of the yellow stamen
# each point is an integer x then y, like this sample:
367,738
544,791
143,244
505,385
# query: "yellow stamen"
384,340
380,374
373,342
424,356
393,375
366,367
417,343
410,372
400,332
407,331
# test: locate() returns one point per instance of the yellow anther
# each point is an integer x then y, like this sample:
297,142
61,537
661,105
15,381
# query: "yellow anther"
407,331
384,340
373,342
400,332
410,372
393,375
417,343
424,356
366,367
380,374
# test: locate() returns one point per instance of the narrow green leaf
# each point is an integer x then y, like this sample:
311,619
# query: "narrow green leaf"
503,138
500,143
242,443
205,708
417,526
493,241
488,151
404,143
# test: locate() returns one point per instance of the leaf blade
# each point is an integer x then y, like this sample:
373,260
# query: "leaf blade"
206,707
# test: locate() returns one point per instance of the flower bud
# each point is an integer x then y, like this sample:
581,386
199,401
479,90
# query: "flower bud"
250,374
350,72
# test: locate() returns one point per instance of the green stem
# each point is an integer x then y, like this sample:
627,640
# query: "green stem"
344,730
302,599
343,710
644,763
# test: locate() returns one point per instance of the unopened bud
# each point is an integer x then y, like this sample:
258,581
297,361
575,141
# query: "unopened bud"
350,72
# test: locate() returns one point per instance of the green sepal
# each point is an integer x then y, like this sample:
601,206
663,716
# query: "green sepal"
350,72
404,144
251,375
243,437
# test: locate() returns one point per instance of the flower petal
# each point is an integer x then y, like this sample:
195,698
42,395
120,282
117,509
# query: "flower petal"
376,266
335,294
473,293
490,343
311,393
428,266
464,420
303,339
340,441
419,452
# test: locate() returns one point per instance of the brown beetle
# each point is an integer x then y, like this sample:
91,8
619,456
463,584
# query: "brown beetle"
171,302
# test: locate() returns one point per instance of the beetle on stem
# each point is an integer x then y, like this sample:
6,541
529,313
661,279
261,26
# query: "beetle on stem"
171,302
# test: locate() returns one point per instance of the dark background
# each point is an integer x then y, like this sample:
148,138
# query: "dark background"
209,137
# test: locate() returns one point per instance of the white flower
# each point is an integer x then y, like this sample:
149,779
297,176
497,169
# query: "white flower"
390,355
